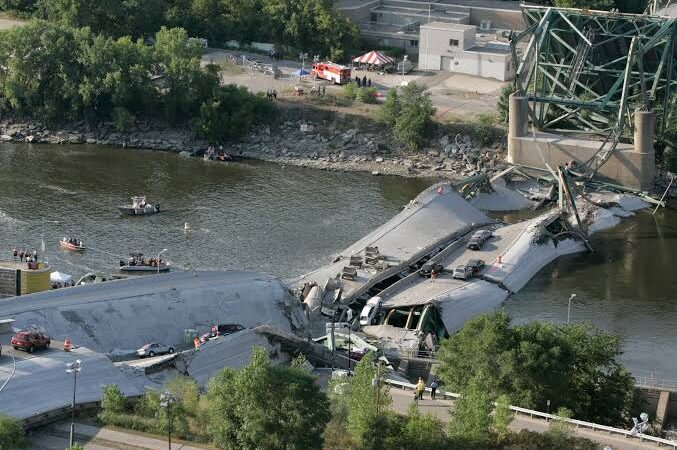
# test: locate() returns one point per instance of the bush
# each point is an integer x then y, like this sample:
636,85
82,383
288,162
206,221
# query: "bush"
11,433
350,91
532,440
231,113
503,102
112,399
366,95
122,118
408,113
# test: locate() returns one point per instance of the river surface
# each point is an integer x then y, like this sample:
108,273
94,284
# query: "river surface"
287,220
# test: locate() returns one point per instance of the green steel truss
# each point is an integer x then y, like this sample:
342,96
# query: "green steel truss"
587,71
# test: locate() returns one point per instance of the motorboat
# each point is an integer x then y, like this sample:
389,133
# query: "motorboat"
98,277
136,263
73,245
139,207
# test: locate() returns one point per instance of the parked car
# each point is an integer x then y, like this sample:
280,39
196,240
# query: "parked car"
154,349
429,268
478,239
462,272
370,310
30,341
476,265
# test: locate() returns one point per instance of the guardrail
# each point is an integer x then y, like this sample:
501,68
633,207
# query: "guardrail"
541,415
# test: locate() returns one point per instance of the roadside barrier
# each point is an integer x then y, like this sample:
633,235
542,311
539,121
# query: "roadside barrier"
541,415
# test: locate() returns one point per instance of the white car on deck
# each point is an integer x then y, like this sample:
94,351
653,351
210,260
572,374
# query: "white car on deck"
369,312
154,349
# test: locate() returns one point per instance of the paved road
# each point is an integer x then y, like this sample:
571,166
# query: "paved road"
440,408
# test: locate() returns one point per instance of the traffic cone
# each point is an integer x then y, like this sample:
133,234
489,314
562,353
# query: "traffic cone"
67,345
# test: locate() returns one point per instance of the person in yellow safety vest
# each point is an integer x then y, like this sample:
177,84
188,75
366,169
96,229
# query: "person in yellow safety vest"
420,388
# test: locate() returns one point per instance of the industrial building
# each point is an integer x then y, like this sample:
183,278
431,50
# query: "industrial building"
396,23
455,48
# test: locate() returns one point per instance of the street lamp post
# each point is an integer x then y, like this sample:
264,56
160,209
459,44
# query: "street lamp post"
166,400
73,368
158,260
350,342
376,383
569,308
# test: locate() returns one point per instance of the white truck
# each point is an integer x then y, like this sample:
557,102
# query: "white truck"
369,312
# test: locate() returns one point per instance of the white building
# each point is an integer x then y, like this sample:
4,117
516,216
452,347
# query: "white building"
454,47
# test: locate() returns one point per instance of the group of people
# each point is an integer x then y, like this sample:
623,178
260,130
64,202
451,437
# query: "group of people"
364,82
420,389
141,261
25,255
59,284
73,241
271,94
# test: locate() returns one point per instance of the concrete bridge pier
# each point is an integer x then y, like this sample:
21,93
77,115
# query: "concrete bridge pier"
632,165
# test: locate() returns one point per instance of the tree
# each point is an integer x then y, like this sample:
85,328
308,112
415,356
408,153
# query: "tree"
11,433
112,399
422,431
471,419
230,114
603,5
391,109
573,366
414,118
502,417
362,398
265,407
502,104
184,84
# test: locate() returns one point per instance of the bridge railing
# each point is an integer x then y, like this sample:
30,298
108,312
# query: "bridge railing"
541,415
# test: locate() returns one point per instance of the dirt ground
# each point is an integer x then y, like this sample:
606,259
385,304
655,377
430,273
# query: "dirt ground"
457,97
7,23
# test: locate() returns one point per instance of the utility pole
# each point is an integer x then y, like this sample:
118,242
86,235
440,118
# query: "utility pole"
73,368
569,307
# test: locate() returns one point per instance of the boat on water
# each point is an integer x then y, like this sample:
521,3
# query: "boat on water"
136,263
139,207
73,245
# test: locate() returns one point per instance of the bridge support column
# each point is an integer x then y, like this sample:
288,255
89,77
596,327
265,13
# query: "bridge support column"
517,122
644,154
662,409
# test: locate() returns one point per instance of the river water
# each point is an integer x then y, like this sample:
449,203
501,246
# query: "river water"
287,220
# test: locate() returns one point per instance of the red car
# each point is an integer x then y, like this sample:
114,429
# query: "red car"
30,340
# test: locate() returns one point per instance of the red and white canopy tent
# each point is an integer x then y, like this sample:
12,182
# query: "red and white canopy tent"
374,58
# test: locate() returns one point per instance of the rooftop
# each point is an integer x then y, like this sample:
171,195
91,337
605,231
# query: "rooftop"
448,26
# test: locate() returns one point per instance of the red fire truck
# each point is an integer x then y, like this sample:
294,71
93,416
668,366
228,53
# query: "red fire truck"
335,73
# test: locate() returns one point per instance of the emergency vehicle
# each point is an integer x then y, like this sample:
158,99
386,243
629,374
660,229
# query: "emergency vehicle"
335,73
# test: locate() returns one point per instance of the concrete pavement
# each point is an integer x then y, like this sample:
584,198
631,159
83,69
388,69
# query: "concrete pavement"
440,408
96,438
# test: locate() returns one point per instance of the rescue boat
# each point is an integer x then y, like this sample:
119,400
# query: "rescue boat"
63,243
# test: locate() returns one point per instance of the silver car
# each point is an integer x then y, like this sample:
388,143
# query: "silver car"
154,349
462,272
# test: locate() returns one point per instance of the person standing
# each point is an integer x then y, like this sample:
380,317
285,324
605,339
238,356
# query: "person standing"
364,81
420,387
368,82
35,255
15,253
21,255
433,389
357,80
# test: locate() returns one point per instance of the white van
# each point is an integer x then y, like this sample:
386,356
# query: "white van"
368,315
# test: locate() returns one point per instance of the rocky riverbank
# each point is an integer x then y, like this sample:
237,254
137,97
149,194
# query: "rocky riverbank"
322,144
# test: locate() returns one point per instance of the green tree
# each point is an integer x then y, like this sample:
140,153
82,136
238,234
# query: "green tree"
422,431
11,433
502,417
414,114
266,407
573,366
184,84
471,419
362,398
502,103
391,108
230,114
112,399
